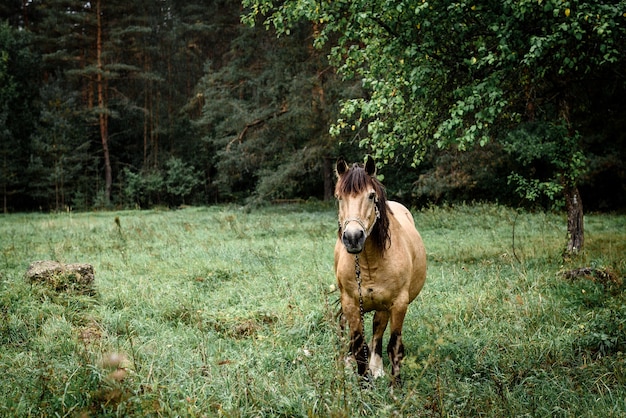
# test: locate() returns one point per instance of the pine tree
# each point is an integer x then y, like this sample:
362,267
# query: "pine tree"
265,115
19,68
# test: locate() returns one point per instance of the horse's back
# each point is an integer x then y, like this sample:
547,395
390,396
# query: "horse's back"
402,214
410,239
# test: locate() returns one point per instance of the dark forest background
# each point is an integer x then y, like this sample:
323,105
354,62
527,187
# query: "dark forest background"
142,103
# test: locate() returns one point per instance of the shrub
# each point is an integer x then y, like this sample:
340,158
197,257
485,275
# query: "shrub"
180,179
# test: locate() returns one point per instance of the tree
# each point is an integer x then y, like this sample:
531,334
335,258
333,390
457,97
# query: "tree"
103,117
457,73
265,116
73,41
19,68
59,151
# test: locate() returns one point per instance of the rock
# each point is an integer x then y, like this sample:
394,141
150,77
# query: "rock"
74,278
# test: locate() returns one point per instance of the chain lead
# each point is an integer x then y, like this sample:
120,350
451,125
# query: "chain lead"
357,269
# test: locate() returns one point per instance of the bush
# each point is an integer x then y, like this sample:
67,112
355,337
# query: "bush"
180,179
143,189
156,187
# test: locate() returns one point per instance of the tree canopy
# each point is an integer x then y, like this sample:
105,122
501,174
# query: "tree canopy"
459,72
526,74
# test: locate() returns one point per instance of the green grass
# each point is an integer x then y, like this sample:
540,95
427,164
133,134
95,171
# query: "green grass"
222,311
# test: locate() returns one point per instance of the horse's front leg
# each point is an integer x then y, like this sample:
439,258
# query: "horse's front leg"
395,348
381,318
358,346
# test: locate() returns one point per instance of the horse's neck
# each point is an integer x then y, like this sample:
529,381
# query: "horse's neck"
370,257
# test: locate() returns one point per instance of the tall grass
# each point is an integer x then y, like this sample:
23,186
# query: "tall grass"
223,311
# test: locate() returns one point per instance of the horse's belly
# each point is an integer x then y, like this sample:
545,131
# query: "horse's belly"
382,299
375,297
374,300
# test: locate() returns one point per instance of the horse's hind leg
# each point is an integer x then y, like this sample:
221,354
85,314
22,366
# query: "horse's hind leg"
381,318
395,348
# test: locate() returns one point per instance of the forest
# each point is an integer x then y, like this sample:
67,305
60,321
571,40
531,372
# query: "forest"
118,104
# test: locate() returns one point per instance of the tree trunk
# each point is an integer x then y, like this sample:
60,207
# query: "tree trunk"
102,111
4,184
573,202
5,207
329,176
575,220
146,115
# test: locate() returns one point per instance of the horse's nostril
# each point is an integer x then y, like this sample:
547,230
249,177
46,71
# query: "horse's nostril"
353,240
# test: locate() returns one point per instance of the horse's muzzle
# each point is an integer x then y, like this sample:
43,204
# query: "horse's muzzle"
353,240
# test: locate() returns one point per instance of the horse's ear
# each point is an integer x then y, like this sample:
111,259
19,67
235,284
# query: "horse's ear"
370,166
341,167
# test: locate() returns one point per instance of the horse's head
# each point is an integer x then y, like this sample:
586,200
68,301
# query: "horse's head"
362,206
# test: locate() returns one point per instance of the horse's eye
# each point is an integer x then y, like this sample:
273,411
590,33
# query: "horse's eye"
372,196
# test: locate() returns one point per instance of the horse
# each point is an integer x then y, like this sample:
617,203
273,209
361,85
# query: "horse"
380,265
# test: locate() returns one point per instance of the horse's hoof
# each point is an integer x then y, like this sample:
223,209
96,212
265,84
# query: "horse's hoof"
377,372
349,361
396,382
366,381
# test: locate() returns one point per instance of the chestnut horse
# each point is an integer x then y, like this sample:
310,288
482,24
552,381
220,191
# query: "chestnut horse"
380,264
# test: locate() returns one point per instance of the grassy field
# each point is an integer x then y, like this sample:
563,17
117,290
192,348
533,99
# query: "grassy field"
224,312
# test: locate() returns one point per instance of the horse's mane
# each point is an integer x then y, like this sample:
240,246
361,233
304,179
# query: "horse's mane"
356,181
